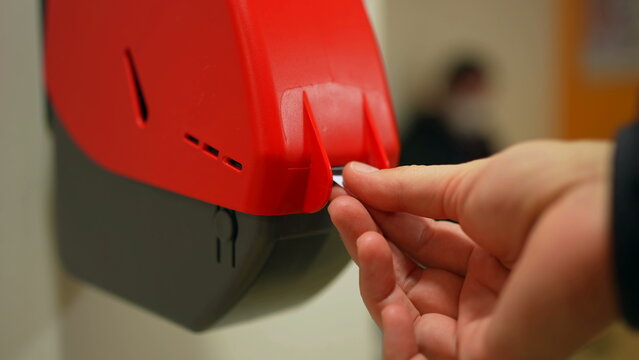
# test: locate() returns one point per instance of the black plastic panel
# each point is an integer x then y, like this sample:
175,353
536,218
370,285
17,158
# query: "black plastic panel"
181,258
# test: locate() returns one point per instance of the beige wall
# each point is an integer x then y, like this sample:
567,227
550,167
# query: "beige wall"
515,36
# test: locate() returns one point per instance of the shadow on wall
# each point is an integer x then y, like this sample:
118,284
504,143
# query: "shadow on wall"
95,326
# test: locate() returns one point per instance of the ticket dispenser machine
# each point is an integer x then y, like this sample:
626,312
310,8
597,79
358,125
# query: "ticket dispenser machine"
195,142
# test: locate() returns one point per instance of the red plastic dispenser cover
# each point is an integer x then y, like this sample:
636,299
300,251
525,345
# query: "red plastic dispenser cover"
243,104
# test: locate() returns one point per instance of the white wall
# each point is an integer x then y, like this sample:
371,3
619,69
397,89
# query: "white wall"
46,315
515,36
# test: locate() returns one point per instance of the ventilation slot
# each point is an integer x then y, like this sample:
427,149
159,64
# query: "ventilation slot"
233,163
211,150
142,111
192,139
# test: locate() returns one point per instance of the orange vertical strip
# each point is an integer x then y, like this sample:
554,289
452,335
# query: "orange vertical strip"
591,106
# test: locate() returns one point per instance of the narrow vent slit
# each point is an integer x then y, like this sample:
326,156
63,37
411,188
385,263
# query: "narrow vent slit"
139,101
211,150
234,163
192,139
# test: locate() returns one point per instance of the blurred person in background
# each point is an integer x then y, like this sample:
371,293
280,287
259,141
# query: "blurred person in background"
455,128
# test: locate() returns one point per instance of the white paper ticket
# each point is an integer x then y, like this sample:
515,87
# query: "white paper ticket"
337,176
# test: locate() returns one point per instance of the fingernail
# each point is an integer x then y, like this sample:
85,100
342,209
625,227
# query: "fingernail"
362,168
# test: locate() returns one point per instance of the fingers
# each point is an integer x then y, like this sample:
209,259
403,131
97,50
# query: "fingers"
337,191
377,280
351,220
431,290
437,336
435,244
431,335
429,191
395,307
423,291
434,291
399,334
484,281
478,298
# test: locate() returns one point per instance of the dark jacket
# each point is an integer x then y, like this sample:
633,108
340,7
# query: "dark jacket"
625,222
430,141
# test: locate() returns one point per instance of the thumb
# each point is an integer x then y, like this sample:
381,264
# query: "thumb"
486,203
430,191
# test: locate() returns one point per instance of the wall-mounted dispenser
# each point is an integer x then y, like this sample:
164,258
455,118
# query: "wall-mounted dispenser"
195,141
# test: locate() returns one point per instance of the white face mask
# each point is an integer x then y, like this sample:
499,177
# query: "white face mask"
467,115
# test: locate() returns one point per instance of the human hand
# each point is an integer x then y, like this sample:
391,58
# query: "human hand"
525,275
